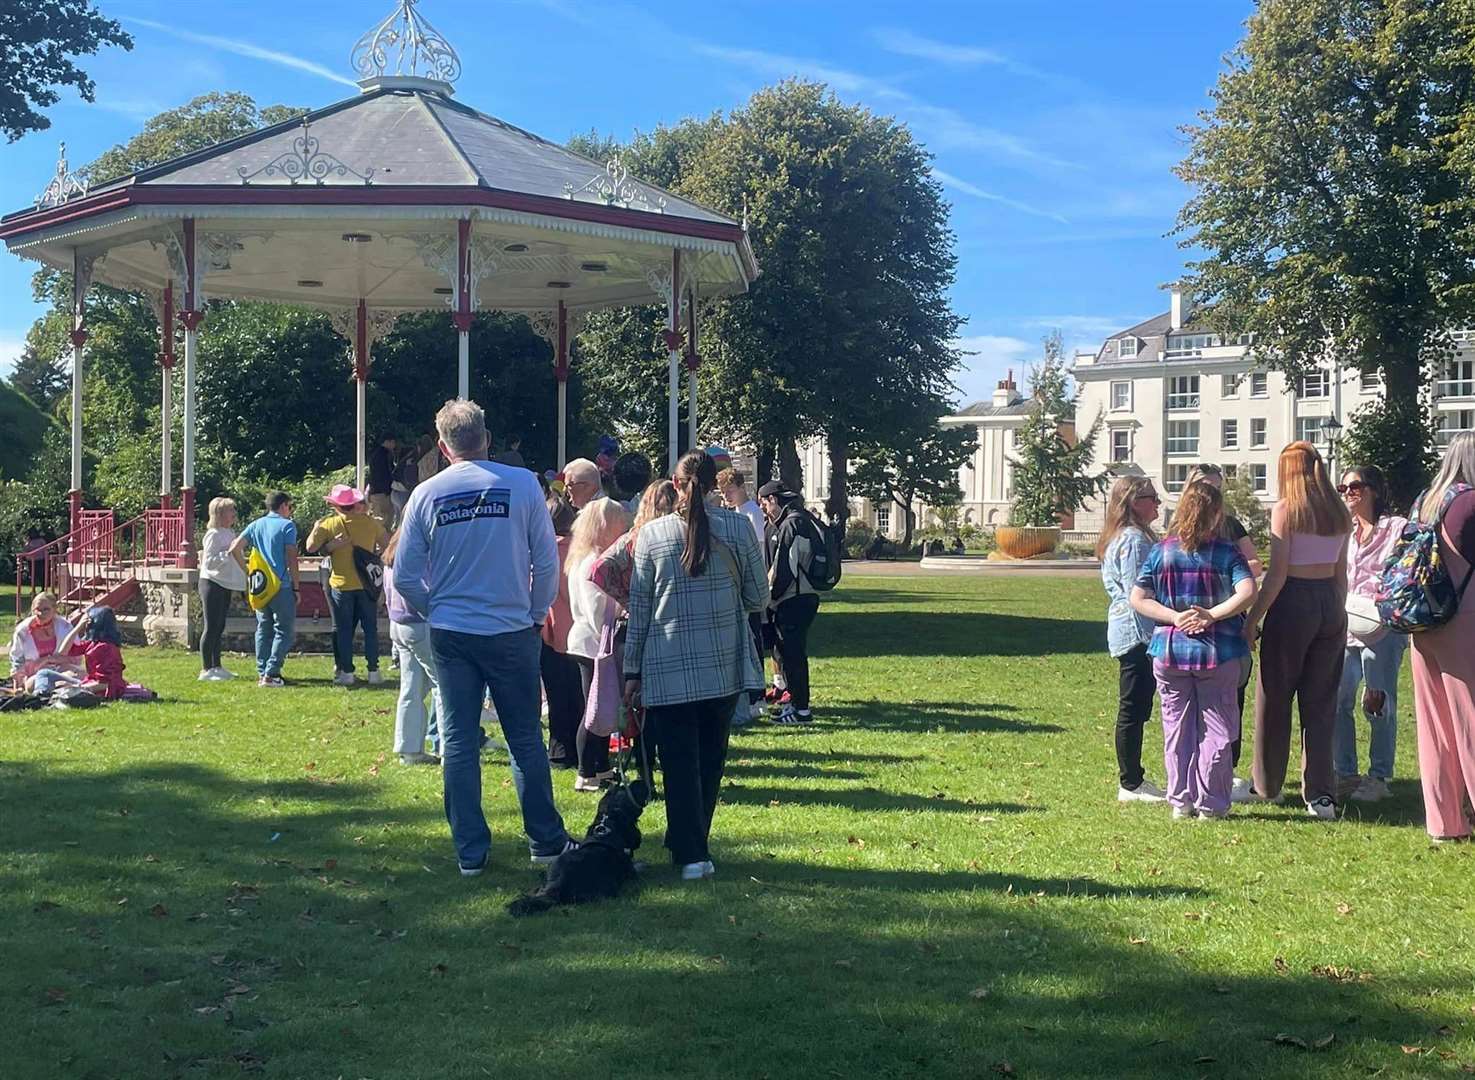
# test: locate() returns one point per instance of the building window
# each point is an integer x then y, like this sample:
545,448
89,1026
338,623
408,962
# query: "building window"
1014,437
1259,384
1452,423
1183,392
1369,382
1126,348
883,518
1121,445
1180,345
1315,385
1308,429
1459,379
1228,434
1229,385
1230,471
1175,477
1182,437
1121,396
1259,483
1258,436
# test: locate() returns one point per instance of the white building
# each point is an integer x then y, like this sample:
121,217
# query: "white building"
1174,394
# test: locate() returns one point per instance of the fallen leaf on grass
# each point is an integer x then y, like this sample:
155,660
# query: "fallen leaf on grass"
158,911
1280,965
1003,1068
1413,1049
310,766
857,841
1344,909
150,858
978,993
1136,941
846,964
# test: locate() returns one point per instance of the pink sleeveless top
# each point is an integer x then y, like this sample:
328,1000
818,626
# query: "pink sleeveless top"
1309,548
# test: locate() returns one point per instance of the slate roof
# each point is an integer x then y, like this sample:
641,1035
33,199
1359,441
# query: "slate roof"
988,408
407,137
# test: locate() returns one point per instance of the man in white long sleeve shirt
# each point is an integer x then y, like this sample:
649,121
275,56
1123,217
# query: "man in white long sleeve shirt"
477,558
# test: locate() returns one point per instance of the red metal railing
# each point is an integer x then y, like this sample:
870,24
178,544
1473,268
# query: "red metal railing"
98,561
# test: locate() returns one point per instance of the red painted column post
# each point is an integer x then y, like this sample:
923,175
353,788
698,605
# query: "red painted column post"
560,372
80,273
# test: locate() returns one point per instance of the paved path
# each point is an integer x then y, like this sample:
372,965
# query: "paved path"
900,568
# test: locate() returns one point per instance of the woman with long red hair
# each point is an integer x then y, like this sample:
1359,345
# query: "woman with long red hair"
1303,605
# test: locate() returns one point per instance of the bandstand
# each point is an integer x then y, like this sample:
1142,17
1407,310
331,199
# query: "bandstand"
399,199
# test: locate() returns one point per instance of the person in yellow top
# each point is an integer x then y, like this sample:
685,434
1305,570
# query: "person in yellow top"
352,540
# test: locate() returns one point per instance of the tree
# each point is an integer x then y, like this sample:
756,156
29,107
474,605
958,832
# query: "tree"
913,465
1241,501
1398,444
38,39
1335,193
1052,475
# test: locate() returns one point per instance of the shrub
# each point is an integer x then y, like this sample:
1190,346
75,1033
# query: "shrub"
858,536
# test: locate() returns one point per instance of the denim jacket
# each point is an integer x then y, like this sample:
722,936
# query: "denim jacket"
1125,629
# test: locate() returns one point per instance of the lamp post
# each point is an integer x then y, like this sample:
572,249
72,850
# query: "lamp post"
1331,428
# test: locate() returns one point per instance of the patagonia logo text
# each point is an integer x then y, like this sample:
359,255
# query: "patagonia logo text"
468,506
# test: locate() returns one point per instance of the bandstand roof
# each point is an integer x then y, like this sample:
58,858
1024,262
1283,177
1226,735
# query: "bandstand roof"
361,200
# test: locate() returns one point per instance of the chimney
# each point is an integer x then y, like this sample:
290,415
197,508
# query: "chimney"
1178,307
1007,393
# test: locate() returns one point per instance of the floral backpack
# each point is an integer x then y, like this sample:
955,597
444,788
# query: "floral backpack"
1416,592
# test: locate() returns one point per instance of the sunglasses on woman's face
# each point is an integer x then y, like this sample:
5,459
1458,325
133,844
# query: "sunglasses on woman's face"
1352,488
1154,496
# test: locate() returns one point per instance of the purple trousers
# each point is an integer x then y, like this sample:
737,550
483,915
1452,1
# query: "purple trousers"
1200,724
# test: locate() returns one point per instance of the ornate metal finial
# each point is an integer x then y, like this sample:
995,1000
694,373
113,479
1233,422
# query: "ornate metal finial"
406,44
304,163
64,185
615,188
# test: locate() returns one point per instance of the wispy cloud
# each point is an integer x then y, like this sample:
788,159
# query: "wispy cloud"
134,108
964,187
986,359
906,43
243,48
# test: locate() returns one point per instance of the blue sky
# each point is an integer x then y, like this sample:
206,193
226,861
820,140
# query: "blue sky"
1055,127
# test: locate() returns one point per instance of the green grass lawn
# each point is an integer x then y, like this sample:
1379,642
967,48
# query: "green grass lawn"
936,881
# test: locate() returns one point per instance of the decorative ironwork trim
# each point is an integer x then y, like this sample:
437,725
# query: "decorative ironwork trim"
614,187
418,48
306,162
64,185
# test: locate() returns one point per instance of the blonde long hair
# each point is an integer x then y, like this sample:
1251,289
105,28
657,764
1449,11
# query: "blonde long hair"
658,500
598,525
1119,513
1458,467
1311,502
1199,515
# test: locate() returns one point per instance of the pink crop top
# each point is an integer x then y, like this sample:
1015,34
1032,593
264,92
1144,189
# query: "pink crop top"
1308,548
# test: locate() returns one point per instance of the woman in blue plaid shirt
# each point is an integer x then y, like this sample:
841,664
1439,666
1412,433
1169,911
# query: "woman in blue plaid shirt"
688,652
1196,586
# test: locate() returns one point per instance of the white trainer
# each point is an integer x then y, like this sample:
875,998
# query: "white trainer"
1241,790
375,678
1184,813
1323,809
1146,791
343,678
694,871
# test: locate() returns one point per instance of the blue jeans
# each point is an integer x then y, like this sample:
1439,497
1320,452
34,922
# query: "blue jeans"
276,628
506,665
352,608
1378,665
416,679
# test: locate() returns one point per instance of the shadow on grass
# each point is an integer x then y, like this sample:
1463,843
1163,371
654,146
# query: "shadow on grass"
865,800
174,940
952,716
926,631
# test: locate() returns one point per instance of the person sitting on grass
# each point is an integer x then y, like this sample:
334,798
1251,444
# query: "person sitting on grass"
96,640
1197,585
33,646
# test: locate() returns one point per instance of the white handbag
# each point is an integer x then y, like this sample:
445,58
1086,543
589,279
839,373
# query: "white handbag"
1362,619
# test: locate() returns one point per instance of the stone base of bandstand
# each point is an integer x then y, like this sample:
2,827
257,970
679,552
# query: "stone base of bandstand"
166,613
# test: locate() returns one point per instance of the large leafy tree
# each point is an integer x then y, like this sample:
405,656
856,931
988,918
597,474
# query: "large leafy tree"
38,41
1052,474
1335,194
916,462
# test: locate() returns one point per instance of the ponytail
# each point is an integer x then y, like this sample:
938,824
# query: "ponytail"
696,474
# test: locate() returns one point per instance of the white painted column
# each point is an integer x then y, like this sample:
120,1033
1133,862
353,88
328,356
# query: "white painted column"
166,395
693,363
79,340
462,317
560,373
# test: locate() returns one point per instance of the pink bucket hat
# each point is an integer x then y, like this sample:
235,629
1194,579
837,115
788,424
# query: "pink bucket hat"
344,496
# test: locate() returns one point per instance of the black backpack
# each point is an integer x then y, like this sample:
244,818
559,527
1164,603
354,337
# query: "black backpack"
826,546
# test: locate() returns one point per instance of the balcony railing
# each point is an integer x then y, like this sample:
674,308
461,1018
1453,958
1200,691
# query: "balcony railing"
1456,388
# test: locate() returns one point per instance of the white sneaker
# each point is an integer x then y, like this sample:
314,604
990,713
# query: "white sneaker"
343,678
709,869
1183,813
1212,815
1241,790
208,675
418,757
1372,789
694,871
376,679
1322,808
1146,791
547,860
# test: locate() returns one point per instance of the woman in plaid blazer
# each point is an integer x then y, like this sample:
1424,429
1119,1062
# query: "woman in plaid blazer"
688,652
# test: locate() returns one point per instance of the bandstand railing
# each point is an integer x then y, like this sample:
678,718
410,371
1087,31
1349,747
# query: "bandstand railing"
99,560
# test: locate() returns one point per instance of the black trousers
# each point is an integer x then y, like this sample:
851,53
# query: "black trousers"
1136,687
791,622
692,741
215,600
565,704
593,749
1238,744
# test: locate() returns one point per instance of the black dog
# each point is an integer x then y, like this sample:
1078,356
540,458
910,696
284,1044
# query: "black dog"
601,865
